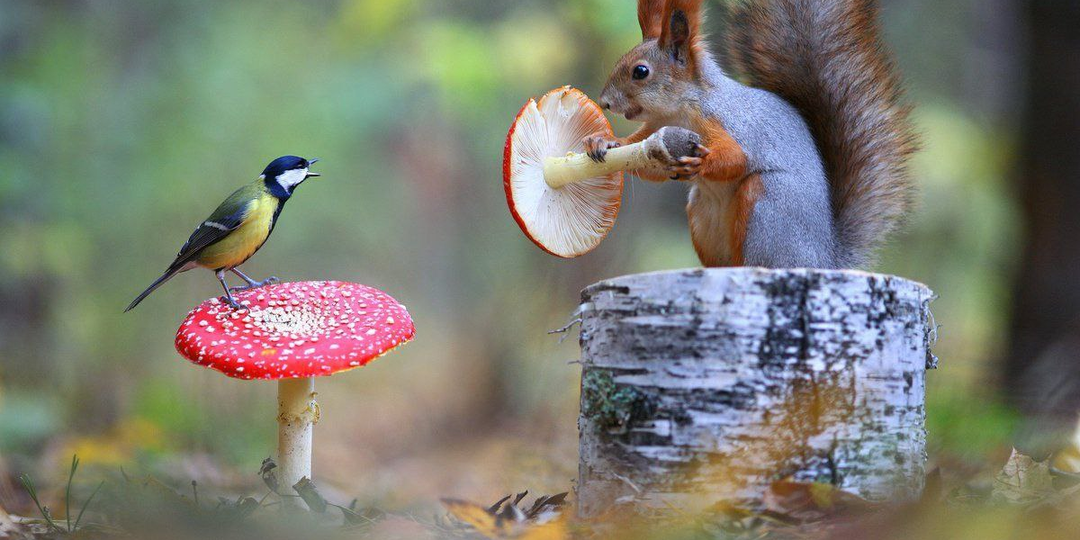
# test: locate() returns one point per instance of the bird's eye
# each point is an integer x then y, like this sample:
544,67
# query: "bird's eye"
640,72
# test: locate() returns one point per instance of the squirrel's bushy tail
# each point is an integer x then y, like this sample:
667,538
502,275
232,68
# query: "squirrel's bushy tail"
826,58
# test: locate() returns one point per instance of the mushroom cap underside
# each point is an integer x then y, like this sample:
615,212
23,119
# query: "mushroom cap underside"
571,220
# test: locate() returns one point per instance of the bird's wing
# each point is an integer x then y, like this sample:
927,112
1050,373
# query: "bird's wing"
226,219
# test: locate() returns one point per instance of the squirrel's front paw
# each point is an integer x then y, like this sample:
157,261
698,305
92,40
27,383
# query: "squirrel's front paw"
596,147
688,167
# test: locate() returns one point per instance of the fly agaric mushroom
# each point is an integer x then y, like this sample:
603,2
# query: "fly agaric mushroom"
563,200
294,332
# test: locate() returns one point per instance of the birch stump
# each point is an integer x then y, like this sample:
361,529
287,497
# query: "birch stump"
707,385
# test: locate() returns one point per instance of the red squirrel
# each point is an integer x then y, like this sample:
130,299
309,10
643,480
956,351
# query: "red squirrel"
806,166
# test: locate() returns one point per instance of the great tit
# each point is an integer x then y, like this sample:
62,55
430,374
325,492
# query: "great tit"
239,227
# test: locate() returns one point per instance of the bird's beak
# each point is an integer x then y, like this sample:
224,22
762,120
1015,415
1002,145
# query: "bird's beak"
311,162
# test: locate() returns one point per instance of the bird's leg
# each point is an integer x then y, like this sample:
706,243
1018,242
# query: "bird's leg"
228,295
251,283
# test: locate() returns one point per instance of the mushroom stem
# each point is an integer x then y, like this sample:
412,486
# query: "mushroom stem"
663,147
297,414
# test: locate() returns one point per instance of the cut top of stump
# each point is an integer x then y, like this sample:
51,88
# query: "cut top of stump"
767,297
294,330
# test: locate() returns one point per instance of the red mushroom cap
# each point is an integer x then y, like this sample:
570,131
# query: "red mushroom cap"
294,330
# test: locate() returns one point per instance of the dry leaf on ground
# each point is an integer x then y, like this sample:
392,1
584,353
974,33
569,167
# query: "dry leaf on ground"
1023,480
542,520
811,501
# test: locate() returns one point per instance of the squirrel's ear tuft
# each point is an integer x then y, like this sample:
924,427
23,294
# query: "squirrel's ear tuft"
650,15
678,37
681,29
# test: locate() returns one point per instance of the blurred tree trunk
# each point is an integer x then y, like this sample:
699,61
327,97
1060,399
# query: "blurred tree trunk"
1042,372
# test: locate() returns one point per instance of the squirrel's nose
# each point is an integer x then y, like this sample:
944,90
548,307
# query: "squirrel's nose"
604,104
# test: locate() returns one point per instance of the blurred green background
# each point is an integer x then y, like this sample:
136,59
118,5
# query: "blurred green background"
122,124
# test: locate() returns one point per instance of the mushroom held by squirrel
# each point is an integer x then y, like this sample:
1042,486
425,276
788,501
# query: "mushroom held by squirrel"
566,200
292,333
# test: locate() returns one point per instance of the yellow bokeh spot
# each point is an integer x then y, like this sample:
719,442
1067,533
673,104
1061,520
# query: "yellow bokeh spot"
119,444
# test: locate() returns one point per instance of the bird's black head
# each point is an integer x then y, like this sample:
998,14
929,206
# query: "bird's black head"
286,172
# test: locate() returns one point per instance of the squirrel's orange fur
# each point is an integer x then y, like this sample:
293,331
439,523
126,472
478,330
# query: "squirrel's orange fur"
650,18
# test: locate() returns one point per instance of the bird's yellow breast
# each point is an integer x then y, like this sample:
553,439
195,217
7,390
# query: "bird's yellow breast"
243,242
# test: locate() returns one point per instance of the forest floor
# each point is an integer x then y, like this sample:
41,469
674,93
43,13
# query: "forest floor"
1024,499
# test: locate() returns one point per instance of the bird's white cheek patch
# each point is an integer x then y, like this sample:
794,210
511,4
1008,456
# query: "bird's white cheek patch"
292,178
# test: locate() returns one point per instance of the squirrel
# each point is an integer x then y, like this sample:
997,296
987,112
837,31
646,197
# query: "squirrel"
804,167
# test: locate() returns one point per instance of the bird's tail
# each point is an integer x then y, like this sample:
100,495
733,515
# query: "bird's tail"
172,271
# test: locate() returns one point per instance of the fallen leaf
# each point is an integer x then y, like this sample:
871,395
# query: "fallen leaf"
478,517
1023,480
266,471
811,501
363,516
307,491
506,518
546,506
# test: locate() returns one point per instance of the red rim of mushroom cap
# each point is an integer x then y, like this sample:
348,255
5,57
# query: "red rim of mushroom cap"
572,220
294,330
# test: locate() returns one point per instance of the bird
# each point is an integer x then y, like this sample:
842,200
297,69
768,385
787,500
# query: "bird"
238,228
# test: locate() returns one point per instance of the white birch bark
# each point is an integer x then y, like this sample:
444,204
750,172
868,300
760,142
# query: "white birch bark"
705,385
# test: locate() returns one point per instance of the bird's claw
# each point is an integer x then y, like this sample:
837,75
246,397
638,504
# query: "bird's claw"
268,281
231,303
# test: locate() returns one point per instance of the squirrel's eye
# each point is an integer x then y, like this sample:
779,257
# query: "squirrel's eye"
640,72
